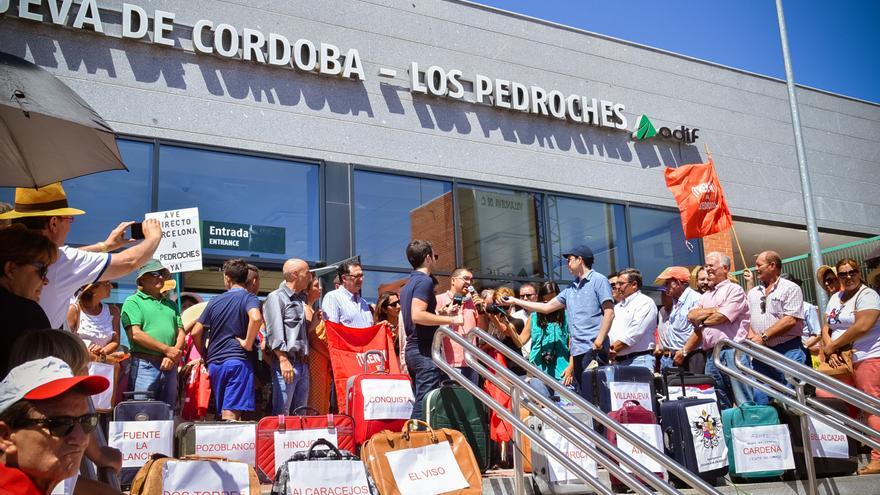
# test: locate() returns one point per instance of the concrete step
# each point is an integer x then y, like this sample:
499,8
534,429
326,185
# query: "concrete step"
501,483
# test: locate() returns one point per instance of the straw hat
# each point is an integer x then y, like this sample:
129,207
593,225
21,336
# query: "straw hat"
47,201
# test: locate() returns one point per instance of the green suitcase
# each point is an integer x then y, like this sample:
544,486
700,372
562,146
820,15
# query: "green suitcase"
451,406
747,415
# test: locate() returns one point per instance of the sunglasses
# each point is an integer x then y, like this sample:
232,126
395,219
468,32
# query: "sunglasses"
42,269
849,274
61,426
156,274
763,304
392,304
356,277
527,295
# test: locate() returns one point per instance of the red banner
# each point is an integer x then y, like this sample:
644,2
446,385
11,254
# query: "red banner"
700,199
348,347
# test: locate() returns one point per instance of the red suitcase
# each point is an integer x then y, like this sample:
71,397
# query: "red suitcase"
342,425
632,413
378,401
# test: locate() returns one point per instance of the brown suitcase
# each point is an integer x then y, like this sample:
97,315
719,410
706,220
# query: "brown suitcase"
149,479
374,450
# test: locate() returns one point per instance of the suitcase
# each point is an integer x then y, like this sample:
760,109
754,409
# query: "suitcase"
644,423
440,456
825,440
378,401
745,416
693,436
331,455
453,407
608,387
341,424
242,449
133,409
551,476
152,477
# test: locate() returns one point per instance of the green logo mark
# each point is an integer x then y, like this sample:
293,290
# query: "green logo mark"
644,128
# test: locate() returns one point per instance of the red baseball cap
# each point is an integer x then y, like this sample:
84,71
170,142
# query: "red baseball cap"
43,379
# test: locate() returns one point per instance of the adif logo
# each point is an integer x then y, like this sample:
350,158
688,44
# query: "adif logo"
645,129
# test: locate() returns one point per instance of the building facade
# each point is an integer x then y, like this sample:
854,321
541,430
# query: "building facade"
326,129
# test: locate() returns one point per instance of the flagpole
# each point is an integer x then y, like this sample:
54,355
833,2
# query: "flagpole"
732,228
806,187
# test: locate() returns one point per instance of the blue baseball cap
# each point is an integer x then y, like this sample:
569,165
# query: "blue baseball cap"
583,251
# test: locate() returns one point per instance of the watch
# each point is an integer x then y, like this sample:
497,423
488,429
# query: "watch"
764,337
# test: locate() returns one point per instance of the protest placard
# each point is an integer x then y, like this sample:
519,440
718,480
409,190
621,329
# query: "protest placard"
180,249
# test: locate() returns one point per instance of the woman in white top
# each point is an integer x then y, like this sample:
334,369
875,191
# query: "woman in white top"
853,320
96,323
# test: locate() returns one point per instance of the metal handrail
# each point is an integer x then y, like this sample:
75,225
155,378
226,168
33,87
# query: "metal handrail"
562,421
797,400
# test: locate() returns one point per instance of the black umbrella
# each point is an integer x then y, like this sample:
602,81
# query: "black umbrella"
47,132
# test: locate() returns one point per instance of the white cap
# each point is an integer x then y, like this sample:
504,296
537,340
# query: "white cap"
44,379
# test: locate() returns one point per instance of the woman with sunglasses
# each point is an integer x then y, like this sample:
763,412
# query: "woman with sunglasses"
71,350
853,322
387,312
827,275
25,256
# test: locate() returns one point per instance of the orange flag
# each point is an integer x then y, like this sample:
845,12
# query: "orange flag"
700,199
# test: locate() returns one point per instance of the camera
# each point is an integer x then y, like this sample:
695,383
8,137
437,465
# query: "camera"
494,309
457,299
548,357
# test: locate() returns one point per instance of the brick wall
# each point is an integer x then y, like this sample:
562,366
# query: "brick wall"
723,243
433,222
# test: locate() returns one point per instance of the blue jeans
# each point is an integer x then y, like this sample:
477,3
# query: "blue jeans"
645,361
147,377
426,377
470,374
581,361
792,349
288,397
727,388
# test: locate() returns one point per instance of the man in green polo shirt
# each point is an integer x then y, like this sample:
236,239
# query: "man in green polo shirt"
156,335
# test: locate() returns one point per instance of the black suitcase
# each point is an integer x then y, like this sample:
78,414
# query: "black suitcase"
328,454
628,383
826,467
133,409
688,423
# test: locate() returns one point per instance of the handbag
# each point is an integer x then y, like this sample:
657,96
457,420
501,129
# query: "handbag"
846,354
422,462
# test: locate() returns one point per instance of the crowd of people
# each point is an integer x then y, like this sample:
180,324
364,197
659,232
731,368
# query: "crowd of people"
270,357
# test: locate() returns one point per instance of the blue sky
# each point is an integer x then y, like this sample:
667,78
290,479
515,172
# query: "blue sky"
833,43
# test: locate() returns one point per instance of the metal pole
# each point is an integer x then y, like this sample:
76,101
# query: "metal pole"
806,188
519,485
808,443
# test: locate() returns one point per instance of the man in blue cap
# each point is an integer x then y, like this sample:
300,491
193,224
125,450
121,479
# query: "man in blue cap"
589,310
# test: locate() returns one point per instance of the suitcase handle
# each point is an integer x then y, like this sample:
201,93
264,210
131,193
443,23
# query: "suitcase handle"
381,355
408,427
307,409
681,372
325,443
150,395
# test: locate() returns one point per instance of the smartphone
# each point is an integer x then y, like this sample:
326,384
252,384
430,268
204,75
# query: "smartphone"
137,230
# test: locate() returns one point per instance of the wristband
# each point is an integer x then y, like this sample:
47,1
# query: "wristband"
102,247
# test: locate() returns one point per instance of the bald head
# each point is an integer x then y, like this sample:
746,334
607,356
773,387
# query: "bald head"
296,274
768,266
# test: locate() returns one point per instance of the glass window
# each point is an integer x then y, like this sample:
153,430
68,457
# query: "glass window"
658,241
108,198
390,210
499,232
374,280
275,200
601,226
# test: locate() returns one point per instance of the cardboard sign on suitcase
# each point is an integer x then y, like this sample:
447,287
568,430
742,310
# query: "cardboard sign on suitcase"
163,475
322,470
643,423
235,440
